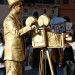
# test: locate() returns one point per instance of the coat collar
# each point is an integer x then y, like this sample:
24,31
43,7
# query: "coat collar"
16,17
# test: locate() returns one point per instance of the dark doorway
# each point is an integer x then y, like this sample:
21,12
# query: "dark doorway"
35,14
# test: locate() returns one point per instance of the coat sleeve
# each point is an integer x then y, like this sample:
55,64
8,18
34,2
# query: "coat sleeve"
24,30
13,29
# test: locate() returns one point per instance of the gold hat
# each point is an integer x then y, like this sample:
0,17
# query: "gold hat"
43,20
12,2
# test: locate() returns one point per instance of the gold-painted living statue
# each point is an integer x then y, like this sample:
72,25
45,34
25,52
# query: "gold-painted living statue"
14,44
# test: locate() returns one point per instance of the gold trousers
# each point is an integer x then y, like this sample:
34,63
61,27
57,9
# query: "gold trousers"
13,67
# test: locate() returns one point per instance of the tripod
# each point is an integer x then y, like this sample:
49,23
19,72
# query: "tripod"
42,71
43,44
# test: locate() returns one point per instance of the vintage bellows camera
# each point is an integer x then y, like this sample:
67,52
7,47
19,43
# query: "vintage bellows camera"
42,37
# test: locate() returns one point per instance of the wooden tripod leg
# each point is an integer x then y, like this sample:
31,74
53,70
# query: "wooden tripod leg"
45,67
41,63
50,63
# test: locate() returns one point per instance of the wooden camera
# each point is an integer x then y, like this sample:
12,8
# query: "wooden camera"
43,38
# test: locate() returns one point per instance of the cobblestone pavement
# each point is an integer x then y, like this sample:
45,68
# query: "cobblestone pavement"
34,71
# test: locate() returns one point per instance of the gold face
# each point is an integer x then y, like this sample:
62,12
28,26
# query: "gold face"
19,7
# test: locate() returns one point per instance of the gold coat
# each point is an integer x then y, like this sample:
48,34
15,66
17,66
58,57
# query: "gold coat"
14,44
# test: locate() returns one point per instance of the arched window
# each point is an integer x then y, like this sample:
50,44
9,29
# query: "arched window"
35,14
65,1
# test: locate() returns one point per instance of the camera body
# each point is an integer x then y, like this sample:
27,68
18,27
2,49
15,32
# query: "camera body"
42,38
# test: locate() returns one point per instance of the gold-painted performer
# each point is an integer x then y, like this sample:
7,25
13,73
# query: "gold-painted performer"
13,31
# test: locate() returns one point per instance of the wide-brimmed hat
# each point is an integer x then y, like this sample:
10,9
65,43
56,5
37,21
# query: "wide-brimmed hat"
12,2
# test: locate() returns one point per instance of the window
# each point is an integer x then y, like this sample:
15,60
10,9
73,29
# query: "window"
53,11
26,10
65,1
44,11
36,14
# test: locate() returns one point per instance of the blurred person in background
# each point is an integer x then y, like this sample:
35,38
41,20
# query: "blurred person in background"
68,60
2,64
73,47
57,58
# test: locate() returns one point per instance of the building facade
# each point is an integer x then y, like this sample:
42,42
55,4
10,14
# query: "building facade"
38,7
67,9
